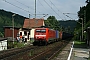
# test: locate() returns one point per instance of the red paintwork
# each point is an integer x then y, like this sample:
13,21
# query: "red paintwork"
40,36
9,32
60,34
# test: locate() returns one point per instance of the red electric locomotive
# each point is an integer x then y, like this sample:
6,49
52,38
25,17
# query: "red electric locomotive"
44,36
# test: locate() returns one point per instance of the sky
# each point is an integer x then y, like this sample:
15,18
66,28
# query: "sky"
44,8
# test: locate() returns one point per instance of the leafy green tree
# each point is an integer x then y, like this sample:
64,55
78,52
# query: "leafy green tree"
6,20
52,23
1,34
84,13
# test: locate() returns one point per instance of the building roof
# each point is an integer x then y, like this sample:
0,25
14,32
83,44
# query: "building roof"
32,23
16,27
2,39
11,27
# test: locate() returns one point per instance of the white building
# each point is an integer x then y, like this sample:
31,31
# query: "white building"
32,24
32,34
24,33
3,44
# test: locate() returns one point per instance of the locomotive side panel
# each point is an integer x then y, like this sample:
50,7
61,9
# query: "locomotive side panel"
47,34
51,35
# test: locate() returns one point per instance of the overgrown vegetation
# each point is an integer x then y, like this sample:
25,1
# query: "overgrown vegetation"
15,45
6,20
84,16
79,44
67,26
52,22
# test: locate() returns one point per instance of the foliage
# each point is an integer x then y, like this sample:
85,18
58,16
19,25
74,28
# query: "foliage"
10,44
6,20
68,26
52,23
84,16
15,45
80,44
84,13
18,45
1,34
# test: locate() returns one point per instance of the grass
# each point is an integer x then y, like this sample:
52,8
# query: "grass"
80,44
89,59
15,45
19,45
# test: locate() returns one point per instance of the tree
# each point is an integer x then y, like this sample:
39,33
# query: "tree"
84,13
52,23
6,20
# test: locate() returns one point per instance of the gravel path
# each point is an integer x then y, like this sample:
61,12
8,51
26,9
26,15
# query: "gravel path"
64,54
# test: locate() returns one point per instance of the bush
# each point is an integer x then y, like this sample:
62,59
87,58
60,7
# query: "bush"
15,45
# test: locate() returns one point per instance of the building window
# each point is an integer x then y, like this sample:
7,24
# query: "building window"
25,33
20,33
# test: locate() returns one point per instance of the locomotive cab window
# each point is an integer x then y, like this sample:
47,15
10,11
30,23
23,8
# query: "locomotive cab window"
41,31
37,30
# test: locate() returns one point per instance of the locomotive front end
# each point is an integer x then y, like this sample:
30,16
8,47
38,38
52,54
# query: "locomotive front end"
40,36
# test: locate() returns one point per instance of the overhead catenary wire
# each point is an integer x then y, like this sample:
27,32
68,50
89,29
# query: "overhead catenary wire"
72,14
69,16
28,7
56,7
24,4
33,9
63,13
52,9
17,6
43,6
46,14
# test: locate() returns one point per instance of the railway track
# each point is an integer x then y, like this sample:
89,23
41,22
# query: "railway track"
34,52
13,52
50,52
